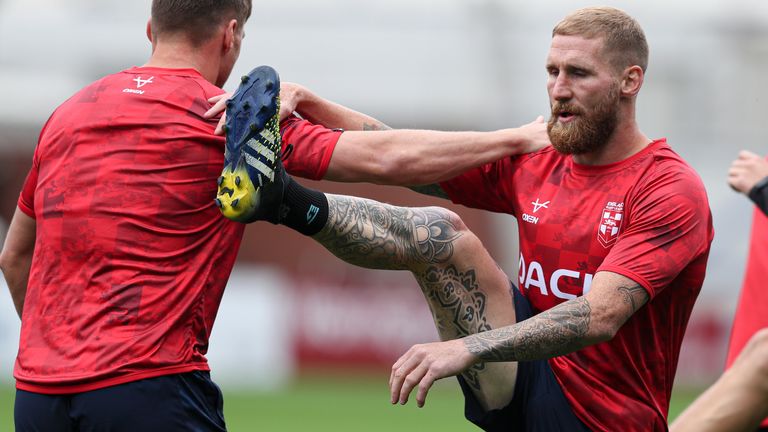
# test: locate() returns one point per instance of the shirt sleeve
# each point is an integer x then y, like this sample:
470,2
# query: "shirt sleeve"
26,200
488,187
670,226
307,147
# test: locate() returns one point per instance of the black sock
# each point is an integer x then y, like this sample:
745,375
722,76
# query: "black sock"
306,210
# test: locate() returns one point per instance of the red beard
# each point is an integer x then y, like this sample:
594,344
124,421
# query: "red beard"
589,131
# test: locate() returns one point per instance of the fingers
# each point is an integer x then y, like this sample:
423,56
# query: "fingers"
219,105
746,170
217,98
408,372
397,376
746,154
424,385
422,365
220,126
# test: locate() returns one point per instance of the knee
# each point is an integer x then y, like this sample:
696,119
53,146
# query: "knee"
439,232
445,216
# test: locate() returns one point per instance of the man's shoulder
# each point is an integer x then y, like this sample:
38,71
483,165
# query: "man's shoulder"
667,163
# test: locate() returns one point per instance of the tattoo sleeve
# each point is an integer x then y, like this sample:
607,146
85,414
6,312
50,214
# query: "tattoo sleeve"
554,332
375,235
433,190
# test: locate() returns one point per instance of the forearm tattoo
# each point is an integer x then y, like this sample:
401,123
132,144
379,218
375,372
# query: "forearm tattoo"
458,306
375,126
375,235
554,332
634,295
434,190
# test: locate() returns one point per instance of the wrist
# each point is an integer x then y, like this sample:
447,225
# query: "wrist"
514,140
756,191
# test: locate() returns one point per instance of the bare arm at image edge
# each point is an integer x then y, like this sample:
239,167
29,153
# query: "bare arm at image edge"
748,174
16,258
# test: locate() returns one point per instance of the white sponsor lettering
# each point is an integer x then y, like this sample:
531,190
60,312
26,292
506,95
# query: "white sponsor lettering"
530,219
533,275
133,91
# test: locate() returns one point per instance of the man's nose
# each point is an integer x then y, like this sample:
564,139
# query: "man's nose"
561,89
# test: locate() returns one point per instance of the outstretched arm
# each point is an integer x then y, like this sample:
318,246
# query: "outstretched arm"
404,157
570,326
422,157
16,257
299,99
369,151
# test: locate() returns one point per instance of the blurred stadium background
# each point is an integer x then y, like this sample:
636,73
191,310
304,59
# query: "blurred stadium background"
303,339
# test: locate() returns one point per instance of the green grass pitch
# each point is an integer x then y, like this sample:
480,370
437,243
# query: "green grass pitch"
339,404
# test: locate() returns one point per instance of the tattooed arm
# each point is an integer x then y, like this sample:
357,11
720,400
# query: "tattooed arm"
570,326
575,324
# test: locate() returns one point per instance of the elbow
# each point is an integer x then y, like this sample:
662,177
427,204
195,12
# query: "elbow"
5,262
9,262
604,329
605,334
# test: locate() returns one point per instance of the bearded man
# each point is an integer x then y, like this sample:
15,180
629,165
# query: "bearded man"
615,230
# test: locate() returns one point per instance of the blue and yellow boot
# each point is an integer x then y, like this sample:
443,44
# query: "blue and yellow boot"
252,182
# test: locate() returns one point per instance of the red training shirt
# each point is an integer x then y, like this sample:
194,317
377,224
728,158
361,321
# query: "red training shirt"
131,256
646,218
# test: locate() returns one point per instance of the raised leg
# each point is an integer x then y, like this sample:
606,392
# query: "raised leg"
465,289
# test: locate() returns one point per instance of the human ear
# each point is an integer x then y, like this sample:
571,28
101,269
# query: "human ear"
229,34
632,80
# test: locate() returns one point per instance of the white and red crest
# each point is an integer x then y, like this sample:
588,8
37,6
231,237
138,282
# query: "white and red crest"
610,223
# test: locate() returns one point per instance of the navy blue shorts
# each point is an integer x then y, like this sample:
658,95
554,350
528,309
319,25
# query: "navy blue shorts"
538,403
180,402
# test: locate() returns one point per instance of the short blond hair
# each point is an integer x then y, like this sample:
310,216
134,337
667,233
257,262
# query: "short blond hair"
624,38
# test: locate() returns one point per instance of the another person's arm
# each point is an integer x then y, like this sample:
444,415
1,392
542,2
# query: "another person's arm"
422,157
568,327
749,175
404,157
16,257
370,152
299,99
